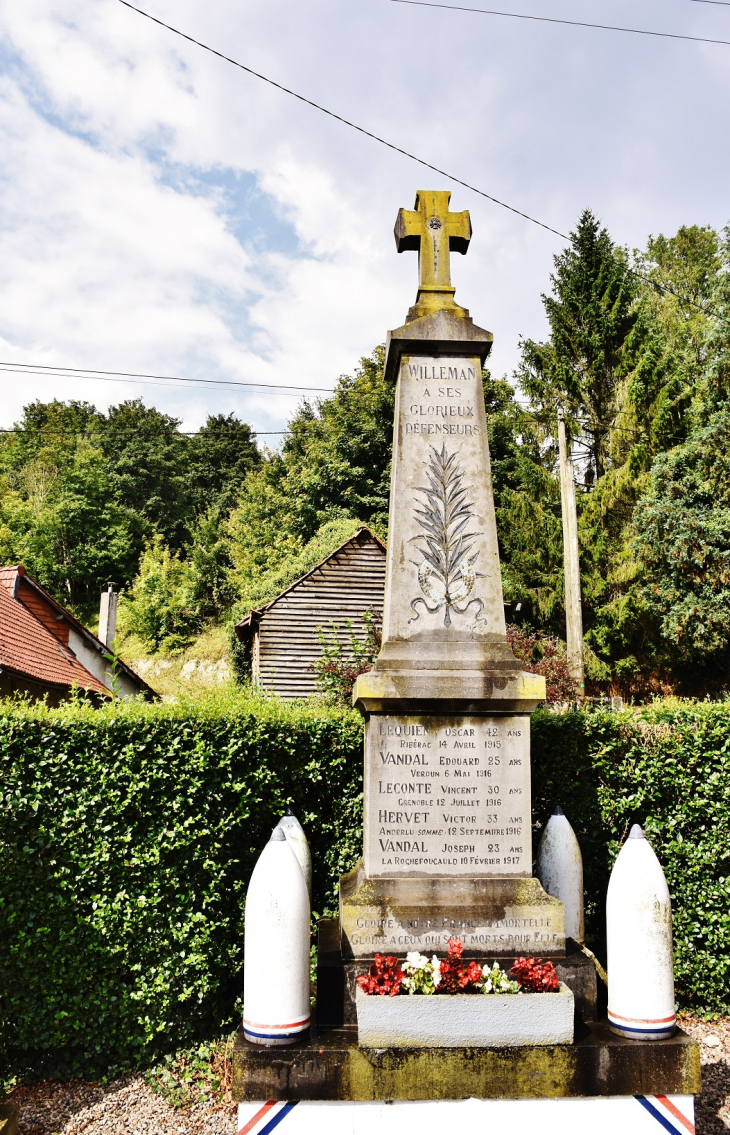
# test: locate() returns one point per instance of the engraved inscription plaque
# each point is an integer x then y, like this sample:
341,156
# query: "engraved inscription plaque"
447,796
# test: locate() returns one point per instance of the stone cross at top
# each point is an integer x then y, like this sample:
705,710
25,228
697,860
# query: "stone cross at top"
433,232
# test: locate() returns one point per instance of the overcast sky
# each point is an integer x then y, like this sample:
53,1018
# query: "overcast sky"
163,212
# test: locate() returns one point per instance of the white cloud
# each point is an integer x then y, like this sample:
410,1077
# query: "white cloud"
113,253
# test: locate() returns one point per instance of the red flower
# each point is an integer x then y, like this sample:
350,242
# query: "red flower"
454,976
383,977
535,977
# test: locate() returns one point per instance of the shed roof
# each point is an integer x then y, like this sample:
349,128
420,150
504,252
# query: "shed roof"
248,624
32,644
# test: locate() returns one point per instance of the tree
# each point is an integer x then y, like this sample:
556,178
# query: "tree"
148,460
672,322
683,521
334,466
591,315
336,459
161,608
65,524
220,457
683,538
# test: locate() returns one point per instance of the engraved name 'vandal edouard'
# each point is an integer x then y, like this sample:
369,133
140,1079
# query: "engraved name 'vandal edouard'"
446,574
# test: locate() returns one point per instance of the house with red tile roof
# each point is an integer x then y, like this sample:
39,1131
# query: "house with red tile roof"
45,650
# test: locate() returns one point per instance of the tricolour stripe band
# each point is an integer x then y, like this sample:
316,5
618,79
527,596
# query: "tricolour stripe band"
274,1036
253,1126
643,1020
666,1123
298,1023
665,1030
678,1115
257,1118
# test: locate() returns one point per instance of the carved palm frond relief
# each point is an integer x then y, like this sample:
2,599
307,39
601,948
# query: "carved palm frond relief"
446,574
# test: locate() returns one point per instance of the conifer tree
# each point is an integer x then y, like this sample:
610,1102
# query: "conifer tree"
591,314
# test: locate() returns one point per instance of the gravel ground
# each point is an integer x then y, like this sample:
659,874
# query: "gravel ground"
124,1107
712,1106
130,1107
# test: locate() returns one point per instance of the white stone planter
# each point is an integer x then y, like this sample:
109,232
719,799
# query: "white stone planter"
465,1020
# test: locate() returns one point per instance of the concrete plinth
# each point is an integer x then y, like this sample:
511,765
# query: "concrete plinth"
8,1117
331,1066
600,1115
494,917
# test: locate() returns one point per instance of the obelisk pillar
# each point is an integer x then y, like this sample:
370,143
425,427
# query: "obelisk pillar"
447,824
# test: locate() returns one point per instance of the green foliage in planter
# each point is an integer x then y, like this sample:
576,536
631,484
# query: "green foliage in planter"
127,837
128,834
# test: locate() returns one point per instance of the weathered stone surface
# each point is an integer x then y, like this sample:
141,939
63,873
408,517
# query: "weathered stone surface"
336,979
493,917
464,1020
331,1066
474,690
447,796
8,1117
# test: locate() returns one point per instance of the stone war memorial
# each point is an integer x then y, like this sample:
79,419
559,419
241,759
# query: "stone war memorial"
447,864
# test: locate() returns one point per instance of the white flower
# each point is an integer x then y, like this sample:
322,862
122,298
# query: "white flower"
436,965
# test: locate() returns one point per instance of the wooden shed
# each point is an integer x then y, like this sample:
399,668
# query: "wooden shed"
283,634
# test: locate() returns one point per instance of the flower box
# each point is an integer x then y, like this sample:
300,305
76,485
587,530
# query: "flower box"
479,1020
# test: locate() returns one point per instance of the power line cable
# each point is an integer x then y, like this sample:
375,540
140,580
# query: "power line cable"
390,145
160,379
722,3
555,20
345,121
82,433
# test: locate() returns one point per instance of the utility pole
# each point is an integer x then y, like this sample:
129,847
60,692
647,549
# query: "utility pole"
573,609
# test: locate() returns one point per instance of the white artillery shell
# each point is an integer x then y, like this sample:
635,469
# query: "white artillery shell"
276,948
560,870
639,944
297,841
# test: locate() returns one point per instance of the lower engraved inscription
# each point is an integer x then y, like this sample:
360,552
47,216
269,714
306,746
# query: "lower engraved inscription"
447,796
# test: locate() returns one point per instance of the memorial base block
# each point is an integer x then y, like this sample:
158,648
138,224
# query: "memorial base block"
337,978
331,1065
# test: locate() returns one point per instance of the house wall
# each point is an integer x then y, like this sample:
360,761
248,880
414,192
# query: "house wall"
99,666
348,584
11,684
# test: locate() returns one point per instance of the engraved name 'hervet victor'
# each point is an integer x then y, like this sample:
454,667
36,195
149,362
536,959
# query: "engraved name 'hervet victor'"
447,797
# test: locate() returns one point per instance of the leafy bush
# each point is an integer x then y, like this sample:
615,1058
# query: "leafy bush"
128,835
163,607
547,657
666,766
340,663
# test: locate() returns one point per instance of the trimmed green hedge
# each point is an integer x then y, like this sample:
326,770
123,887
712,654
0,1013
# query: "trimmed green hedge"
127,837
666,766
128,834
